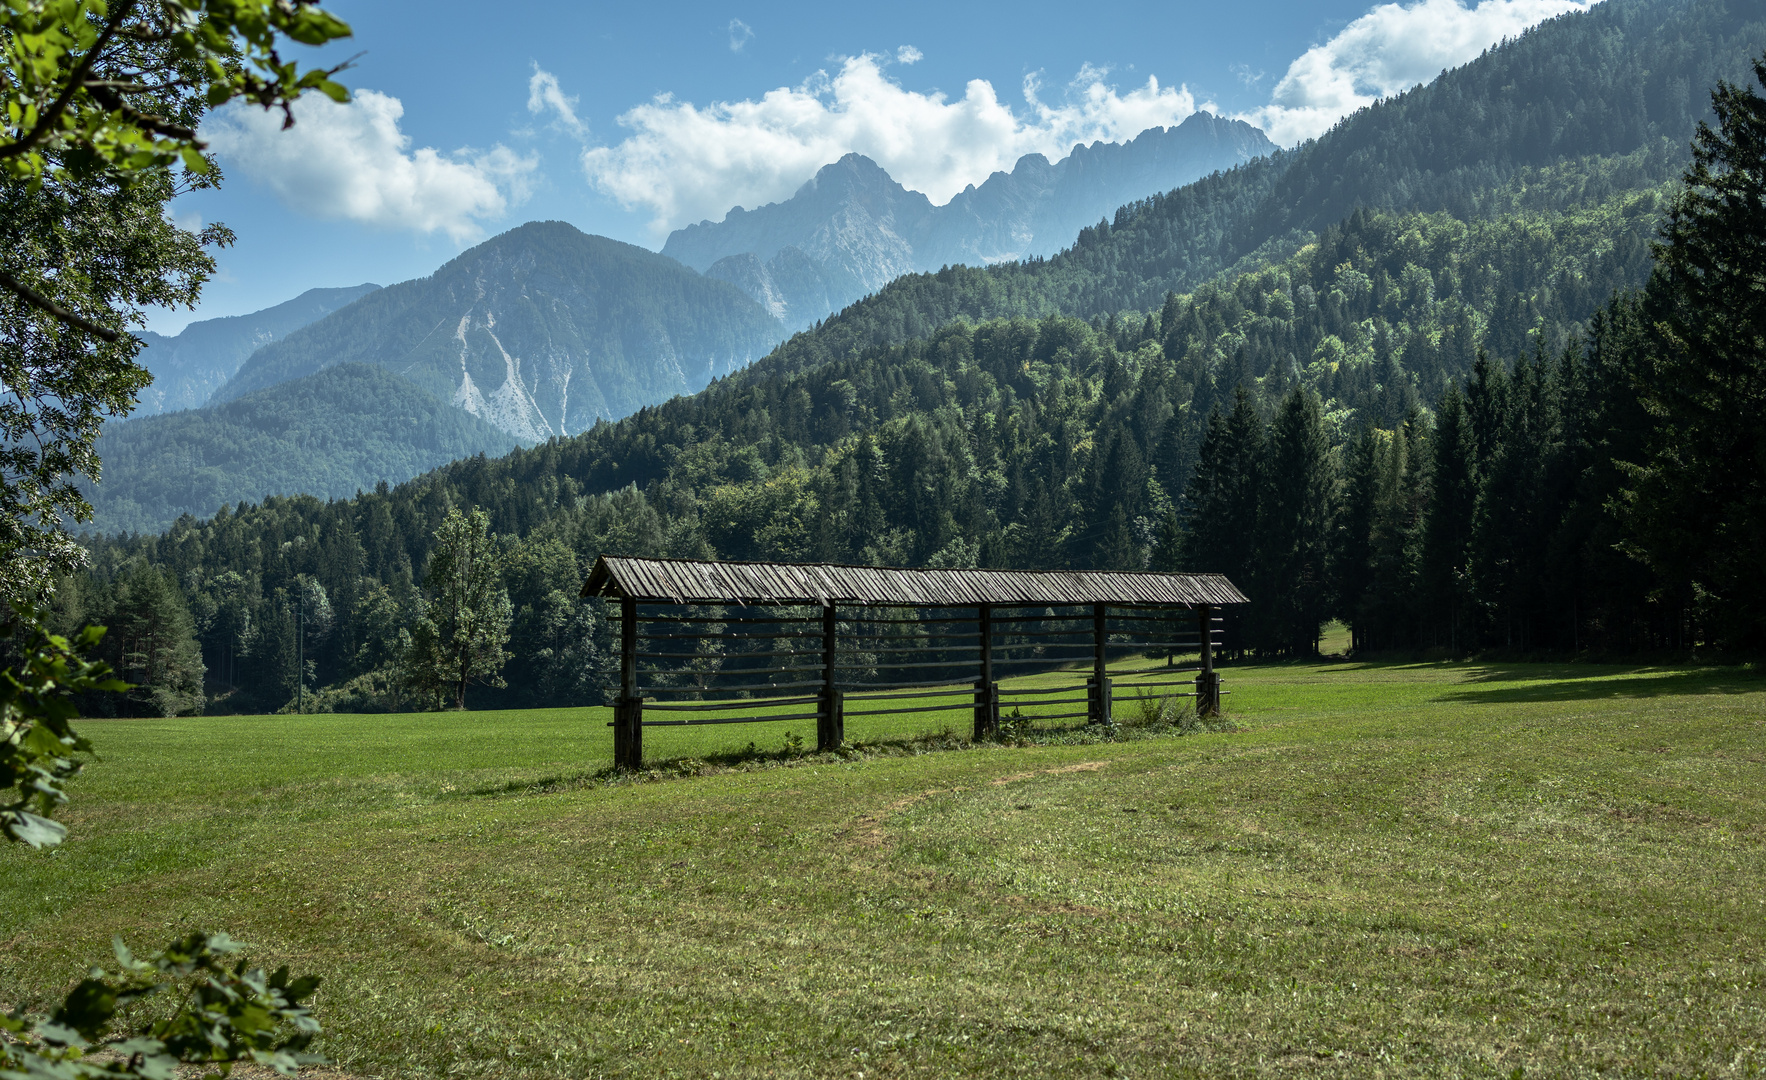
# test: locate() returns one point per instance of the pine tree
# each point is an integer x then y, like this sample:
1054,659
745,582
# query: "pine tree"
1447,523
1389,608
1291,582
152,641
1700,498
1513,519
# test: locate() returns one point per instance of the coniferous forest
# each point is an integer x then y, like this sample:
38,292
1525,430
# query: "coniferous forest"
1523,419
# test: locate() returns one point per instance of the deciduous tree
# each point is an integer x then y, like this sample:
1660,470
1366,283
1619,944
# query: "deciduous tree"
462,635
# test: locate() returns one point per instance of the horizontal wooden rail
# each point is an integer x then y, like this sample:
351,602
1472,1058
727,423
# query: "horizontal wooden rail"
729,634
729,720
743,619
733,703
911,694
868,621
904,712
911,649
891,666
721,656
1007,691
861,688
642,690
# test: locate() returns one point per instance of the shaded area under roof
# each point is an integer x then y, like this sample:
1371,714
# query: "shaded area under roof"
690,581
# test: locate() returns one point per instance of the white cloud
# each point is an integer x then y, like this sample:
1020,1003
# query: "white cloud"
352,162
740,34
683,162
1387,51
907,54
544,95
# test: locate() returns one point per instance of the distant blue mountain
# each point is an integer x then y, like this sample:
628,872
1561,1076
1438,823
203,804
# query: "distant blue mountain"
193,364
853,229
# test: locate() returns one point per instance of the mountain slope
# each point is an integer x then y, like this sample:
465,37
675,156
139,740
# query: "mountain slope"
540,332
330,434
852,228
194,363
1574,110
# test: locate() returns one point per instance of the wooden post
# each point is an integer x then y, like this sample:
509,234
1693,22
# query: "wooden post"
987,697
831,716
1207,682
1100,680
628,712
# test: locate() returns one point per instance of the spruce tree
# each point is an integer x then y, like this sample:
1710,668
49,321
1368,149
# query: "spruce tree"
152,644
1699,499
1352,563
1447,522
1291,583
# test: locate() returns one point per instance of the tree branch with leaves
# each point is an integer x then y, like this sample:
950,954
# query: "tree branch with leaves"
101,101
226,1011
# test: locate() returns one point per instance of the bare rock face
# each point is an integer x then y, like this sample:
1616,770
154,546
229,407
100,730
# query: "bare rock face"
852,229
540,332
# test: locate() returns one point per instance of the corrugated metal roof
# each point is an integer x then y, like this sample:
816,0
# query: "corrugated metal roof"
690,581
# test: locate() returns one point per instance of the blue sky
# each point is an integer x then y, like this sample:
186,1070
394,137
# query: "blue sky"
628,120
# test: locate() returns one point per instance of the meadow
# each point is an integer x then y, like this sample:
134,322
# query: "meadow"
1450,869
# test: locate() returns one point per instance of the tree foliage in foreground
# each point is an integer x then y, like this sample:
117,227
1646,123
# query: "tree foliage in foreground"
221,1010
99,103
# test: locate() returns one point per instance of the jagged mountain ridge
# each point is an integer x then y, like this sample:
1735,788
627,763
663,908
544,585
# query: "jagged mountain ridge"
540,331
851,229
189,366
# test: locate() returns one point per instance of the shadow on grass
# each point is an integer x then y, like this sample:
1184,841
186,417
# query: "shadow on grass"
1572,682
752,758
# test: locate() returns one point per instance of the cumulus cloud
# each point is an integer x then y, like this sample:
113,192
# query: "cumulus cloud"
907,54
544,95
740,34
352,162
683,162
1387,51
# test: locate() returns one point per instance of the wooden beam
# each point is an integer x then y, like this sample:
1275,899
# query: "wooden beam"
831,717
1207,682
1100,687
628,712
987,692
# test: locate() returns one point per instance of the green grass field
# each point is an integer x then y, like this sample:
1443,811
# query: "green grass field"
1404,870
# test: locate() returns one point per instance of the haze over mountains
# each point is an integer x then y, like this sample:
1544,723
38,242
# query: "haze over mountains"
536,333
542,331
191,365
852,229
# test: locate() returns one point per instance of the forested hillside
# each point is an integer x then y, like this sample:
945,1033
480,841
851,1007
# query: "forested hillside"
1455,431
331,434
1013,443
535,333
1572,112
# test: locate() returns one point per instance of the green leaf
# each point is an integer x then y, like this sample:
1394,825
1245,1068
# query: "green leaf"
29,828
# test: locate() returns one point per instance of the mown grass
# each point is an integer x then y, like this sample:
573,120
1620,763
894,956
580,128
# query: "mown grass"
1398,870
